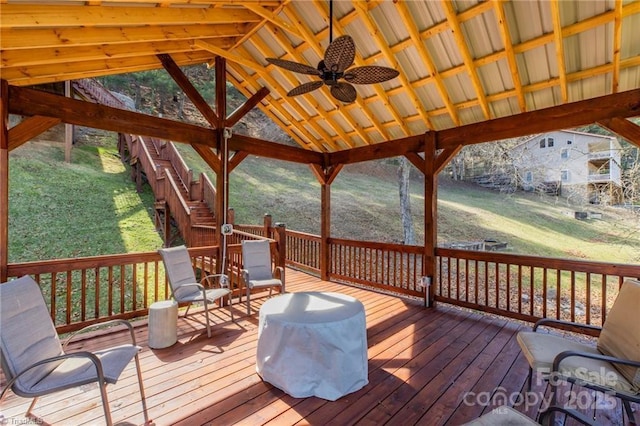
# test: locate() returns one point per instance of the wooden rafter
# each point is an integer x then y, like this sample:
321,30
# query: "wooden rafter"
426,58
274,19
458,36
98,68
291,125
617,37
53,16
36,38
78,54
388,55
558,42
509,53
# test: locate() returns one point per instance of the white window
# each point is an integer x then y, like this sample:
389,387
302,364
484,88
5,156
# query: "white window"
542,143
564,154
569,142
550,142
564,175
528,177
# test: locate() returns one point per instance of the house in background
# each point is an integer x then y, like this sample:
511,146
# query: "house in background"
583,167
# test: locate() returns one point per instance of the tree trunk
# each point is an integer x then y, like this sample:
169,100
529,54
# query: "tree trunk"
404,172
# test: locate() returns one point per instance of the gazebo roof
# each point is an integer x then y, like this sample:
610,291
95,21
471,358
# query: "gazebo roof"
460,62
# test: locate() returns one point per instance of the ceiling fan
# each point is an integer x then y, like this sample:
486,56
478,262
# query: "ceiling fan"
334,69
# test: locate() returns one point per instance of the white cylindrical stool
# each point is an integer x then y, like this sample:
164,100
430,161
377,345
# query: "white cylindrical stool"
163,324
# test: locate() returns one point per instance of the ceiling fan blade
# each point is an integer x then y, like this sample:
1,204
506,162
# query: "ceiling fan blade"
294,66
370,74
340,54
344,92
305,88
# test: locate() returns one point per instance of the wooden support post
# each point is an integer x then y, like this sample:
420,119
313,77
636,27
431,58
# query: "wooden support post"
266,223
430,217
280,235
231,216
68,128
325,176
4,179
325,230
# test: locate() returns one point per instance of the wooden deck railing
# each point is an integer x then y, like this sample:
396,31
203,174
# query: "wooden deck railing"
392,267
303,251
530,287
85,291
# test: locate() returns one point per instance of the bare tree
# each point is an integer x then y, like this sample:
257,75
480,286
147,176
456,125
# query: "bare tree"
404,175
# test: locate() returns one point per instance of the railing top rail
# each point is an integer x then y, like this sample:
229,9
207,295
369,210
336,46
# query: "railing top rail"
64,265
376,245
176,190
544,262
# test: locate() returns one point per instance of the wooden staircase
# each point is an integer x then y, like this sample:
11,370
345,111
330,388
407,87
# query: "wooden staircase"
184,207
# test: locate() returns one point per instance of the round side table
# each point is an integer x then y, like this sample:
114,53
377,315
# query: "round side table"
163,324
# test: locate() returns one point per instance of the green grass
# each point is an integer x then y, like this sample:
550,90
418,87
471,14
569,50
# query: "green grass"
87,207
91,207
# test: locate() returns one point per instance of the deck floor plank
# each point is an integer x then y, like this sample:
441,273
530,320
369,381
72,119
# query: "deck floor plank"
422,363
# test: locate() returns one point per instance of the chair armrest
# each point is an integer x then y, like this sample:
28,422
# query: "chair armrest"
99,325
223,280
280,271
569,412
82,354
613,360
550,322
245,275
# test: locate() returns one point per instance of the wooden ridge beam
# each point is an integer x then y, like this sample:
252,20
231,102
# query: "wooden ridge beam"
192,93
274,150
30,102
29,128
623,104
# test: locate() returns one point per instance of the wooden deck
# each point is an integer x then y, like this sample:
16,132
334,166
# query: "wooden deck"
426,366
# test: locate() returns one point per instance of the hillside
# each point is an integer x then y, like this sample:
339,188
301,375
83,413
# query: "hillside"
90,207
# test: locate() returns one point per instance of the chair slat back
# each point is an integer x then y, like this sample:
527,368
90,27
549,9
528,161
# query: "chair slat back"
27,333
256,258
177,265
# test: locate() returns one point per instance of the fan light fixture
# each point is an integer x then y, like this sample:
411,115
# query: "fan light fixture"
334,68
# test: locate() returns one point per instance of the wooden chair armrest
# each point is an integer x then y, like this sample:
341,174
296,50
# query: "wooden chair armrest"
107,324
550,322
